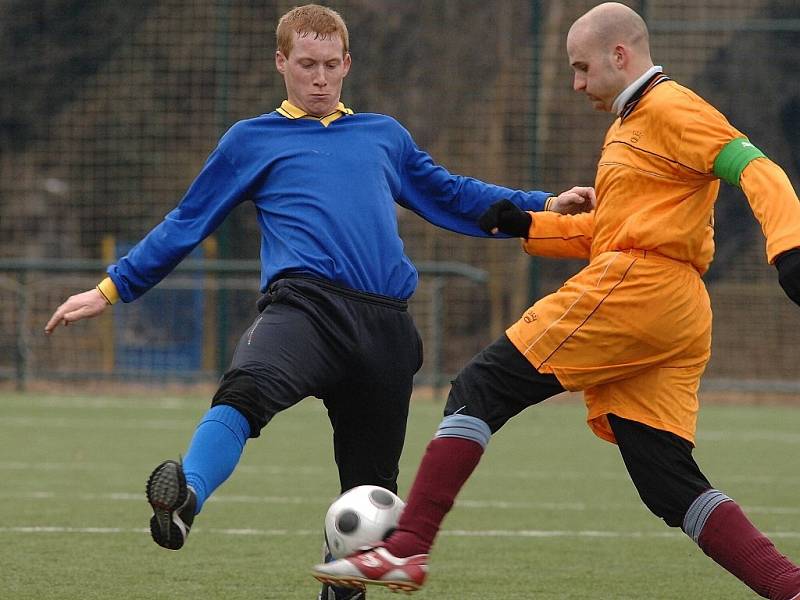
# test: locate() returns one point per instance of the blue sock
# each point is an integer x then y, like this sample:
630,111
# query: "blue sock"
214,451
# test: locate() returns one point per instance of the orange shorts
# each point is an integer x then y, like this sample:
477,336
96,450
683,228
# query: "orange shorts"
632,330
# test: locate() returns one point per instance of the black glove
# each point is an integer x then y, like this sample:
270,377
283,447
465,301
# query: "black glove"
506,217
788,265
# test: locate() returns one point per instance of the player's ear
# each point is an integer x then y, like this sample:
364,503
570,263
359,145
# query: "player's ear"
620,56
280,62
346,63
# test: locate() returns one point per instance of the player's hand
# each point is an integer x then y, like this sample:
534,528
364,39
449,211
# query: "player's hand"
505,217
574,201
788,265
80,306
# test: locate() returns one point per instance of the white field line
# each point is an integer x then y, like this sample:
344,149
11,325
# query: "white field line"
764,435
159,424
79,402
93,466
96,424
300,500
300,470
490,533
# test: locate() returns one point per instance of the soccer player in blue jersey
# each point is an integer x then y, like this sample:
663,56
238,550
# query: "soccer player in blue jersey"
333,320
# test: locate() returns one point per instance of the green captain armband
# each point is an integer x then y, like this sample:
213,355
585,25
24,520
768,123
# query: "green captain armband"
733,158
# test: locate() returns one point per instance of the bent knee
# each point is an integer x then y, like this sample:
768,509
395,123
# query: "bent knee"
240,390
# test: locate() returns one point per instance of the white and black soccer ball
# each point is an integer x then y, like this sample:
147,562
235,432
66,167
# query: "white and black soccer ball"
362,516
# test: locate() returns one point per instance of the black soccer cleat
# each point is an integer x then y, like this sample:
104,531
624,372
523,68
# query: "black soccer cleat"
340,593
173,504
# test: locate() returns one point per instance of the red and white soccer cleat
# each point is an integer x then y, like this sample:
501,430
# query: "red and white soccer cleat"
376,566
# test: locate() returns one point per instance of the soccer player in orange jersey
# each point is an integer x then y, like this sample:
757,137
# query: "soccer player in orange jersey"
632,330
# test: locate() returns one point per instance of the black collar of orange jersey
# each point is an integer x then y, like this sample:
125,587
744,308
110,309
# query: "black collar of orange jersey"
648,85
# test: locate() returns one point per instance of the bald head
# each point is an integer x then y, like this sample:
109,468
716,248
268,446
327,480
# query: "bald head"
608,48
612,23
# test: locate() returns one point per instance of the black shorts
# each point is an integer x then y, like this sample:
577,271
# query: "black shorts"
499,382
355,351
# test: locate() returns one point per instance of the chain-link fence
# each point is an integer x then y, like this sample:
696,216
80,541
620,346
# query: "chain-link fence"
108,110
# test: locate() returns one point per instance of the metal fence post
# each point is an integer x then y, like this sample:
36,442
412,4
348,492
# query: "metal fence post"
537,14
437,334
21,343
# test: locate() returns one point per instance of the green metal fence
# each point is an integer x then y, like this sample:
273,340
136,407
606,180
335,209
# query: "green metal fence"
108,110
185,334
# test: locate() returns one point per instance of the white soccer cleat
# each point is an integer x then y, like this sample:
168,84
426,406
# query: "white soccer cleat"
376,566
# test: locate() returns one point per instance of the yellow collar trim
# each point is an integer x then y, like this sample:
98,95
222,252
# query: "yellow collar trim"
290,111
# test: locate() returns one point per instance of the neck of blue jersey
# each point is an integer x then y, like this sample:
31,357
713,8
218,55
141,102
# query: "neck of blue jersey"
290,111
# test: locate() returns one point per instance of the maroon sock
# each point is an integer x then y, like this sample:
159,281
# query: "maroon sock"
735,544
446,466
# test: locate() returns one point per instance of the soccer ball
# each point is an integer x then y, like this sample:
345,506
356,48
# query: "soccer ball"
362,516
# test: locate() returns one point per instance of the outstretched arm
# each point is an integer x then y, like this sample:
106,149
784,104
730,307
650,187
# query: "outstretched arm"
560,236
212,195
456,202
85,305
544,233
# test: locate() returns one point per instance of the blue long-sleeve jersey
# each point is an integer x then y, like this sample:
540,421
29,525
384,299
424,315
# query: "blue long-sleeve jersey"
325,200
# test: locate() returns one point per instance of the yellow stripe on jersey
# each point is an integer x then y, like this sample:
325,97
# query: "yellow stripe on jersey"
290,111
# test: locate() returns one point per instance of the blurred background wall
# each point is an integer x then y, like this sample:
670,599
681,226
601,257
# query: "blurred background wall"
108,109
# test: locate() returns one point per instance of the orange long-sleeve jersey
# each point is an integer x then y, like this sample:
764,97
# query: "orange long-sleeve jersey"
633,328
657,181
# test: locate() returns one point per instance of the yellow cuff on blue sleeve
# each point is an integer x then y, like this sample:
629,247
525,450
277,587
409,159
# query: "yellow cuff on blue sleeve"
108,290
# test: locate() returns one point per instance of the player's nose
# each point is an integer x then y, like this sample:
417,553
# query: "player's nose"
318,77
